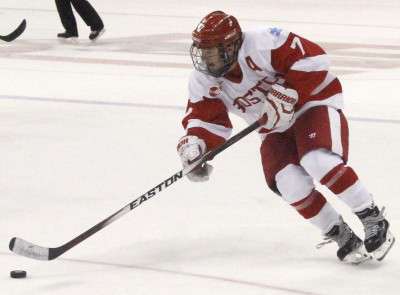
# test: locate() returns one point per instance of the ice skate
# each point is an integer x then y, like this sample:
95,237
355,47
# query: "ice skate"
378,239
68,37
351,248
95,34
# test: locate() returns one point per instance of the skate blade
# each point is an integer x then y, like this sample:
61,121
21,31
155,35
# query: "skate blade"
72,40
384,249
357,257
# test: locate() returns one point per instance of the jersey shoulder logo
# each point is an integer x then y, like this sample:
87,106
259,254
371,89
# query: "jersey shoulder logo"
275,31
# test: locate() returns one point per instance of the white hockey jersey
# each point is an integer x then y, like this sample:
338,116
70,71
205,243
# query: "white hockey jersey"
267,56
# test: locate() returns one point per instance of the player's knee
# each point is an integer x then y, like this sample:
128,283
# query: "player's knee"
293,183
319,162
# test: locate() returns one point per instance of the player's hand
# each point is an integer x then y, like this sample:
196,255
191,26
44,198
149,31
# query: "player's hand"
191,149
279,106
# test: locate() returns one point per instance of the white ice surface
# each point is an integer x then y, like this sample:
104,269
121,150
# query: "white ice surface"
87,128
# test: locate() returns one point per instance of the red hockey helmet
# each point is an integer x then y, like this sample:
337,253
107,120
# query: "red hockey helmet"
216,42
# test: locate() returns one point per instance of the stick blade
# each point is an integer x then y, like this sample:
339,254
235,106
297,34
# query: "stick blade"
16,33
27,249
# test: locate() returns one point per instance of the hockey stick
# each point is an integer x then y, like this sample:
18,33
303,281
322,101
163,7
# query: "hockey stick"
16,33
30,250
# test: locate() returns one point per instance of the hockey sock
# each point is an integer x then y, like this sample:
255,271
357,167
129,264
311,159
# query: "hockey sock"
344,182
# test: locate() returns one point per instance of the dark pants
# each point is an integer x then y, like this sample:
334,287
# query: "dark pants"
85,10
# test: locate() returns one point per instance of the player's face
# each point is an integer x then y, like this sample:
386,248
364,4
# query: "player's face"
215,60
212,58
215,57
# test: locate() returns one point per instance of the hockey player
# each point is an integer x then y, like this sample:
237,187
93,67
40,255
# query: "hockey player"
305,137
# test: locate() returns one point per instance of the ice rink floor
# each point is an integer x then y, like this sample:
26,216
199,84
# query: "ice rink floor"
87,128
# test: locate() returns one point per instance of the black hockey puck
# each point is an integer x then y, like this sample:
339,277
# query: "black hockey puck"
18,274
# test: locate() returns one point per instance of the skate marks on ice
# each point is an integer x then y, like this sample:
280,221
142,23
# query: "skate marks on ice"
171,51
165,271
264,286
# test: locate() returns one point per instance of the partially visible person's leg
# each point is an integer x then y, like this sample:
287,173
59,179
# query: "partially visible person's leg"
90,17
67,19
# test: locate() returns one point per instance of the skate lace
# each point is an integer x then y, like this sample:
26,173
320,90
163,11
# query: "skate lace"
324,242
341,238
371,226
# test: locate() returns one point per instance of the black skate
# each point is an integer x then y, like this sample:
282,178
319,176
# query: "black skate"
68,37
378,239
95,34
351,248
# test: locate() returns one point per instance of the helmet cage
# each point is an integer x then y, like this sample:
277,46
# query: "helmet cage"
226,54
